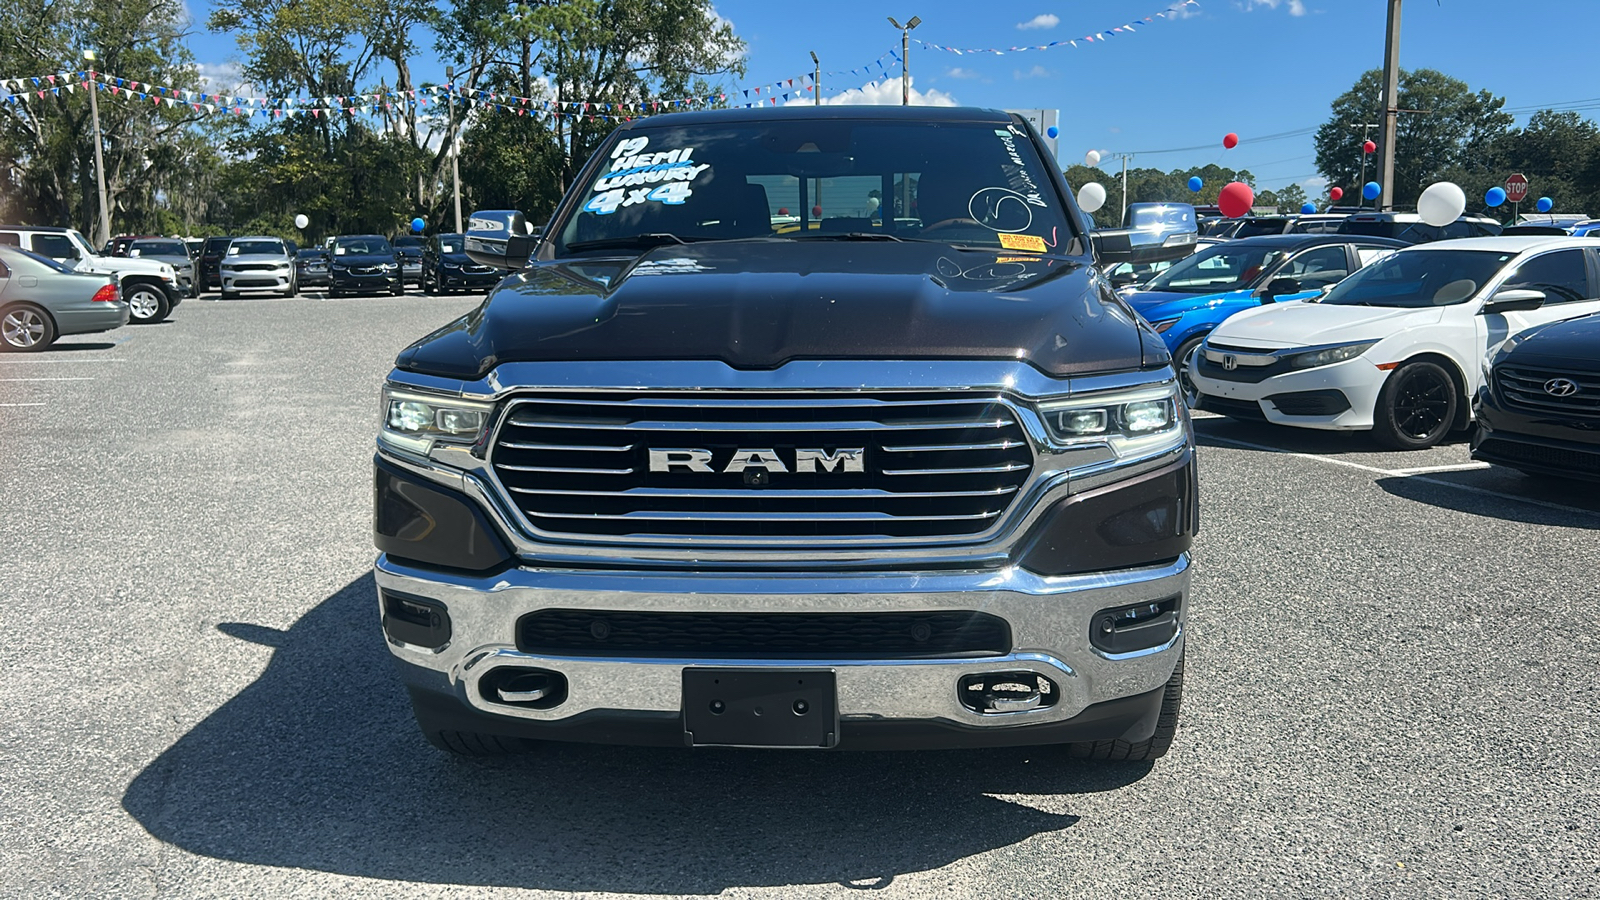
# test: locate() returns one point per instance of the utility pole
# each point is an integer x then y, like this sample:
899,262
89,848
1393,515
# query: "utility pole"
1365,127
1391,104
99,159
816,80
455,169
905,56
1124,157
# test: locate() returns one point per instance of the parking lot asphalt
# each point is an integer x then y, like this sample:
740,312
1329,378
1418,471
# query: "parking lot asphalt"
1391,678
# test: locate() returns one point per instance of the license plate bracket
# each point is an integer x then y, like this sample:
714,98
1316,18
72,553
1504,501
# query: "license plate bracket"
790,708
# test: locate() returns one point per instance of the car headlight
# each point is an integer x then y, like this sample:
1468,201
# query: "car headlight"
450,265
1327,356
1134,422
1164,326
337,267
415,422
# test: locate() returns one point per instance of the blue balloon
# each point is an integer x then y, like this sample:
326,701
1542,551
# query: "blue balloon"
1546,204
417,224
1053,131
1308,208
1371,190
1494,196
1195,184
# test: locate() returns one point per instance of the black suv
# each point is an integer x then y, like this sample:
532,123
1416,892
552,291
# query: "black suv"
898,471
446,268
1539,410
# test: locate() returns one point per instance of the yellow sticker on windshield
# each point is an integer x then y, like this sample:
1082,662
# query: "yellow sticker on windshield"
1029,242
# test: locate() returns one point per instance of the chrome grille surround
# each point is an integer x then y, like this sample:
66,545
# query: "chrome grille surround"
1523,388
1057,473
937,466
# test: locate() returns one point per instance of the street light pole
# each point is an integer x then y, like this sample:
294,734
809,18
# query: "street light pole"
905,56
99,159
455,169
816,80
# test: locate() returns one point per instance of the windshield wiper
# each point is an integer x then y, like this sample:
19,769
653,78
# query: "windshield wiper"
647,239
850,236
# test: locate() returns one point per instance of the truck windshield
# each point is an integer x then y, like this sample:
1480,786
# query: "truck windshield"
157,248
965,183
1419,278
1224,267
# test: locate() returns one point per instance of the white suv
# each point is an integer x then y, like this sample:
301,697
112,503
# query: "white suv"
1400,346
150,287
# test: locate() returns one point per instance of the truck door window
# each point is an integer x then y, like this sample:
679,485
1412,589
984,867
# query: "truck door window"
55,246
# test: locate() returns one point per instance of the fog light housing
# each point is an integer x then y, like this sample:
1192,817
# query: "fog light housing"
1129,629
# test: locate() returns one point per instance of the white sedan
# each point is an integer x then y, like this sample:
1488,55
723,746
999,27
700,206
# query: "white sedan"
1398,348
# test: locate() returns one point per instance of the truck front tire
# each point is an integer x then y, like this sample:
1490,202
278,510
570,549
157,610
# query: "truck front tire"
1153,748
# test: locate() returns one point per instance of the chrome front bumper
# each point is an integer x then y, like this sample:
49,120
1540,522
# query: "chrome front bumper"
1049,619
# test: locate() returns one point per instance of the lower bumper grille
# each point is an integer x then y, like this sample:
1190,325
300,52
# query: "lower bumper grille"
737,469
1575,462
1238,409
573,632
1311,403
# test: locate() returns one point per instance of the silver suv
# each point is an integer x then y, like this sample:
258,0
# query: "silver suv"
259,263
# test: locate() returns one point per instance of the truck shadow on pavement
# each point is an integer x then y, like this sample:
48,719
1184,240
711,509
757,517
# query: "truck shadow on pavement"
317,765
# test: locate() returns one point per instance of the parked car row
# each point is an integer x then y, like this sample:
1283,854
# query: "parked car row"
1416,343
150,288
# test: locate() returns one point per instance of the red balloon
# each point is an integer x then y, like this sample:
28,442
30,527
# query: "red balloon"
783,210
1230,140
1369,147
1335,193
816,212
1236,199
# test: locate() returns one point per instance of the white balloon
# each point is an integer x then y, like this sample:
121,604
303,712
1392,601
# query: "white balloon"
301,221
1091,197
1441,204
1092,158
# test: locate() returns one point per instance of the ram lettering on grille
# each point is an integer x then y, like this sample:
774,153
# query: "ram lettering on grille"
805,460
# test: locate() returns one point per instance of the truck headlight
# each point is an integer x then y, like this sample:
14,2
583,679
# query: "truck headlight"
415,421
1134,422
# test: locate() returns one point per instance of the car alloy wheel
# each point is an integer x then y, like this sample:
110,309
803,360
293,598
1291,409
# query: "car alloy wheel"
24,329
1417,407
145,304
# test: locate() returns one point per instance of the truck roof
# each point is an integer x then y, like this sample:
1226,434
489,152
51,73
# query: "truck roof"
897,113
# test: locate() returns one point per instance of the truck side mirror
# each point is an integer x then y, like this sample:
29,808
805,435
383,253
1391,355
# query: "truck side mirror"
499,238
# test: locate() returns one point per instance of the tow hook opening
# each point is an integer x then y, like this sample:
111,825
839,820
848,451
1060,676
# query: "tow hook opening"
1007,692
1125,629
529,688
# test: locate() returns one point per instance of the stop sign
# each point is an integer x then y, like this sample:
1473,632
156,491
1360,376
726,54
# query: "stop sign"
1517,188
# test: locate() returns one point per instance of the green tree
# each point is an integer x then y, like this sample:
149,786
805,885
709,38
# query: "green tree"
1154,186
47,143
1444,126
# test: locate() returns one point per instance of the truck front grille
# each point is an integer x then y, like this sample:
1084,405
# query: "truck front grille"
909,635
1577,394
761,468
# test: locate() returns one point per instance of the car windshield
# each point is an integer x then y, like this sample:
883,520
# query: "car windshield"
1419,278
157,248
1224,267
248,248
361,246
962,183
450,243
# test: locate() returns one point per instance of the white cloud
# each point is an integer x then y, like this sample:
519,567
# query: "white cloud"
881,93
219,77
959,72
1043,20
1035,72
1295,7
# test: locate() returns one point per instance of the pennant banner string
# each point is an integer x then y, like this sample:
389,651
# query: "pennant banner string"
1100,37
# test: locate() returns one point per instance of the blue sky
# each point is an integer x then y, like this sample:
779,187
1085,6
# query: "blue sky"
1255,67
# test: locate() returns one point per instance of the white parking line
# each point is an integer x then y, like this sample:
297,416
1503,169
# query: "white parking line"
21,404
81,378
43,362
1418,474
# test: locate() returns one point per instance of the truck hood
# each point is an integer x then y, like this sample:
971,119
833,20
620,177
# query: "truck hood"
760,304
1296,323
123,265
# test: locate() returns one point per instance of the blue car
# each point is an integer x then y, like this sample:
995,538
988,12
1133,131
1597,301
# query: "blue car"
1187,301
